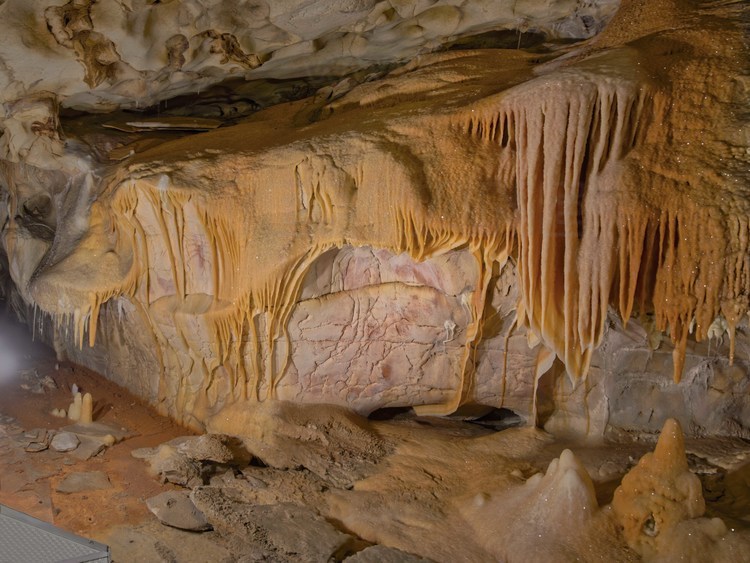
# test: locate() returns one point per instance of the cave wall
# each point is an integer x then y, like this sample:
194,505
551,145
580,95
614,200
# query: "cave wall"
556,231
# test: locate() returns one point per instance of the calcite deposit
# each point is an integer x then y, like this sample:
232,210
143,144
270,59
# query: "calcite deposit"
452,206
660,507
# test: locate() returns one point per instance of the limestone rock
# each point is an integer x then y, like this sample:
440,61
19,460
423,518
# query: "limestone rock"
108,57
36,440
64,442
175,509
215,448
34,382
549,516
171,466
96,437
192,460
254,481
108,434
88,448
660,506
285,435
629,389
658,493
455,232
152,541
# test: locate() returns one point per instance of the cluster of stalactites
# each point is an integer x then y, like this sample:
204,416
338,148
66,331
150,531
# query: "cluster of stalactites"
588,239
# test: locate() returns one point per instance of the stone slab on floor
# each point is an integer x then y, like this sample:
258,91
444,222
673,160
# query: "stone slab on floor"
64,442
99,430
278,532
84,481
175,509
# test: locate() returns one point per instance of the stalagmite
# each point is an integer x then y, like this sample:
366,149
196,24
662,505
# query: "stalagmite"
87,407
660,505
74,410
659,492
546,518
81,409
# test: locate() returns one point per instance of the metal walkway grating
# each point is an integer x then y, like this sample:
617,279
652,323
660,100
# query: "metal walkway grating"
24,539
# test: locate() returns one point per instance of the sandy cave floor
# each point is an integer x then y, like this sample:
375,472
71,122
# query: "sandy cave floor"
28,481
118,515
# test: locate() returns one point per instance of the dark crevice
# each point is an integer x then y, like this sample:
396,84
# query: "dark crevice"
392,413
499,39
582,181
500,419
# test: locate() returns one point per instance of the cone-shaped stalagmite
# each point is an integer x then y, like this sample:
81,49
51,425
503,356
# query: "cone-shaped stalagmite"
658,493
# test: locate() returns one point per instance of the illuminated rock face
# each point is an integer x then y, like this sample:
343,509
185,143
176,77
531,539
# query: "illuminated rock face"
461,231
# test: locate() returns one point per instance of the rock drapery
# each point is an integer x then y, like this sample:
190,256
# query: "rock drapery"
379,245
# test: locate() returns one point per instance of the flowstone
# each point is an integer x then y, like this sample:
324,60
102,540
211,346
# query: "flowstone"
462,230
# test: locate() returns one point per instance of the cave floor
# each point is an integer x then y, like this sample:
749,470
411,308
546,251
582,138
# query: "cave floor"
29,480
33,383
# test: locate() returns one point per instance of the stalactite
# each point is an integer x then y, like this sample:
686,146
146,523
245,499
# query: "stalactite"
581,250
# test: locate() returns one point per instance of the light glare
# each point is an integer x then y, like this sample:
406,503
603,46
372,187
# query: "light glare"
9,361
